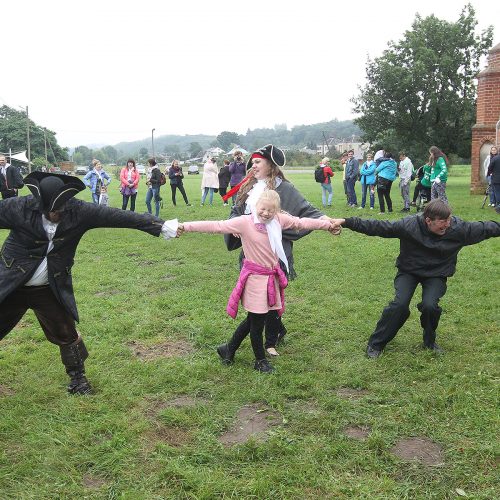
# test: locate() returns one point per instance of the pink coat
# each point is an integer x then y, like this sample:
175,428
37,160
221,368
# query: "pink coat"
257,248
124,177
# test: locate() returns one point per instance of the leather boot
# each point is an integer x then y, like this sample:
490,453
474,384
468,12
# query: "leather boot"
73,357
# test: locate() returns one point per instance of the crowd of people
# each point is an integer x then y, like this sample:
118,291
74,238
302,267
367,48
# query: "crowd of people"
267,217
379,171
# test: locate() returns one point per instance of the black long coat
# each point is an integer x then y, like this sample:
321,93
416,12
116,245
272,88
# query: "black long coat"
27,243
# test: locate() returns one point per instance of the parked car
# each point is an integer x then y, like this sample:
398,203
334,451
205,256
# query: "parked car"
193,169
80,170
141,169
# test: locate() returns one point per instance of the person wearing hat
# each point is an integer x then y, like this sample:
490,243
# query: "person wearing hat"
264,172
37,257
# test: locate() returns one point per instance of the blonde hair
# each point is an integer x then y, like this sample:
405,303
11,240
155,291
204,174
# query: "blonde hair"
271,196
325,159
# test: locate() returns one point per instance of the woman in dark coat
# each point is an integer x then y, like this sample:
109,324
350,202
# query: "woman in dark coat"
175,175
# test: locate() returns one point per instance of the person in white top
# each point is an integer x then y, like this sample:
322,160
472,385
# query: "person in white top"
405,170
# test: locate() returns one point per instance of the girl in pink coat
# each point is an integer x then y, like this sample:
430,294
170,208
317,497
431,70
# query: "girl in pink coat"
262,282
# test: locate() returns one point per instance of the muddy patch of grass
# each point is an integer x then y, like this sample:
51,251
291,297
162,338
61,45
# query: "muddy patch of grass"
420,449
252,421
357,432
92,482
172,436
108,293
5,391
351,393
168,349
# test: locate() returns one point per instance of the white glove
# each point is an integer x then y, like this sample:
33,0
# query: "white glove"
437,180
169,229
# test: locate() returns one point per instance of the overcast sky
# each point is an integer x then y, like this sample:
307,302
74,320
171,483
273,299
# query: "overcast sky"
101,72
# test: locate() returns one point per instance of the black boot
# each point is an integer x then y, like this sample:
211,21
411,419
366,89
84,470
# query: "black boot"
73,357
226,355
79,383
263,366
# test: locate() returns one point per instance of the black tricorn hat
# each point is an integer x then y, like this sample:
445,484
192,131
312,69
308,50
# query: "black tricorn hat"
53,190
271,153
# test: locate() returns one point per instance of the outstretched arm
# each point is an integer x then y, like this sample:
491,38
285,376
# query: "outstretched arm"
230,226
371,227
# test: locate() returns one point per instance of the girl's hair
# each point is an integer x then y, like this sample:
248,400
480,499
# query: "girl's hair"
130,160
495,148
271,196
270,181
436,153
174,161
325,159
152,162
95,162
226,162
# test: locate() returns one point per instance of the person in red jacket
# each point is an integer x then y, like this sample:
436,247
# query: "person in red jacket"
326,185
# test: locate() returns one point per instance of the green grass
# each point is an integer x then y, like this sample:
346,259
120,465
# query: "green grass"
132,287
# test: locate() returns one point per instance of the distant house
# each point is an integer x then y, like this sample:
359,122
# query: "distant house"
360,148
237,148
212,152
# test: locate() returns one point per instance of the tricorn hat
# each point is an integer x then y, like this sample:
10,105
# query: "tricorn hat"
52,190
271,153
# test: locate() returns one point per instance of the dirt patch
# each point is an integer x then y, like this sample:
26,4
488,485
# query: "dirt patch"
5,391
132,254
108,293
351,393
252,421
92,482
147,263
155,406
420,449
169,349
173,436
22,324
357,432
168,277
173,262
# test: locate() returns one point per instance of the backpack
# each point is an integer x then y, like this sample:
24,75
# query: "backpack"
163,179
319,175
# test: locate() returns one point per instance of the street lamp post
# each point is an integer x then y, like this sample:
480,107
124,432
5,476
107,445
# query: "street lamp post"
28,137
153,142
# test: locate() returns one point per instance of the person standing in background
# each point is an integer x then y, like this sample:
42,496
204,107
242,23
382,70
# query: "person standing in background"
210,180
439,173
486,164
237,169
326,185
176,175
129,180
11,179
224,178
96,180
405,170
153,187
368,180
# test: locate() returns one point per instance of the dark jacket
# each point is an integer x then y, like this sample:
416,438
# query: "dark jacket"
175,180
238,171
352,169
421,252
26,244
14,179
154,180
293,203
224,176
494,170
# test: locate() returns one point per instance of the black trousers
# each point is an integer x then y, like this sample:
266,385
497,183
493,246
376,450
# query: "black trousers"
10,193
174,187
397,312
132,202
57,324
222,191
384,191
253,324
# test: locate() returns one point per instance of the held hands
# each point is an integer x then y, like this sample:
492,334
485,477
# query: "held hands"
180,230
336,226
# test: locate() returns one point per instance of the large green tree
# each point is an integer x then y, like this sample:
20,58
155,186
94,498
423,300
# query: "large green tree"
421,91
13,128
227,139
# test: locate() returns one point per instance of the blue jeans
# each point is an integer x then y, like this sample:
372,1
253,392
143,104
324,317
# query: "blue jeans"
496,192
351,193
95,198
326,187
153,192
205,192
492,191
371,188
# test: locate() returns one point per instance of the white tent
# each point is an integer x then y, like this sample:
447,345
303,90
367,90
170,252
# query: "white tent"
21,156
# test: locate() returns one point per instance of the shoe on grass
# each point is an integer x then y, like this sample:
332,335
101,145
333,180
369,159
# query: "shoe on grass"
372,353
226,356
272,352
263,366
434,348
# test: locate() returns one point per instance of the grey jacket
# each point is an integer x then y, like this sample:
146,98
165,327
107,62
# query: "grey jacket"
421,252
27,243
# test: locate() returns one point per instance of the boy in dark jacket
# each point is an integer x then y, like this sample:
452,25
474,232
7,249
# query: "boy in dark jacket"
429,245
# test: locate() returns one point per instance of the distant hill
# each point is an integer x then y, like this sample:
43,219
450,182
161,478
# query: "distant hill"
297,136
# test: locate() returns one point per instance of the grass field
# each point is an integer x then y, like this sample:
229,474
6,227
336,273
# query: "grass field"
165,411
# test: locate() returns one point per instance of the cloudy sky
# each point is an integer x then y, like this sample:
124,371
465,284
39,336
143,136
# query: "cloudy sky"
101,72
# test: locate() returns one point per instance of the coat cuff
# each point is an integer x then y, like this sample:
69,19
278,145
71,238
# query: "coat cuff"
169,229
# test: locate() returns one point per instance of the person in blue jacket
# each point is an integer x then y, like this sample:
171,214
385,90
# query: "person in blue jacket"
386,173
368,180
95,180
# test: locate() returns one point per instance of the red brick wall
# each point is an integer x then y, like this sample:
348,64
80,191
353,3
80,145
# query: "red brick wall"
488,114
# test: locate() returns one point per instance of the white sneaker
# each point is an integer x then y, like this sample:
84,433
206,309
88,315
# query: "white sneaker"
371,208
272,351
360,208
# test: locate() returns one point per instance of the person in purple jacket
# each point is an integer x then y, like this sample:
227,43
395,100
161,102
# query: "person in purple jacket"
237,169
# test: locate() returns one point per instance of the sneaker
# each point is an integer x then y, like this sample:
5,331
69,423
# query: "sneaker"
272,352
413,204
371,208
263,366
225,204
360,208
188,204
225,354
434,348
372,353
381,213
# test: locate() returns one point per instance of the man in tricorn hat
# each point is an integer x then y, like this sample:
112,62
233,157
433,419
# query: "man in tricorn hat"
37,257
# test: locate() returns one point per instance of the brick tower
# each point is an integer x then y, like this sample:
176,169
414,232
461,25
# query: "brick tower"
487,116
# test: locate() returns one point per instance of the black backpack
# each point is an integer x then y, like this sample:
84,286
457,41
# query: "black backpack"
319,175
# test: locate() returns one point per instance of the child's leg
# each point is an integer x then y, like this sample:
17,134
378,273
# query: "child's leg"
239,335
257,322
